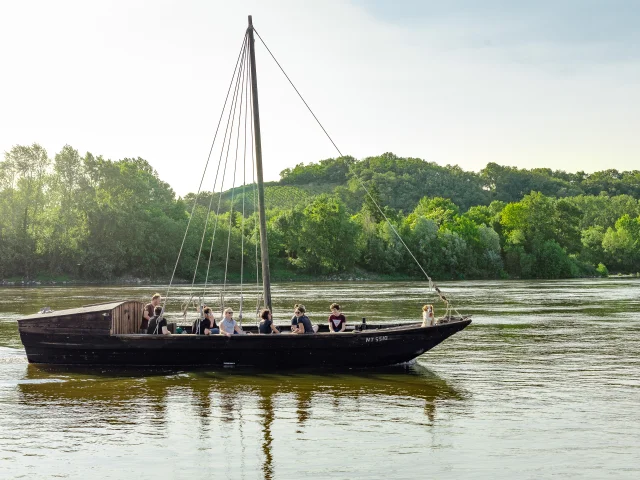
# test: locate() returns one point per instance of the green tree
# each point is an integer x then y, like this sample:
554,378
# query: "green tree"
622,244
324,239
24,180
64,231
441,210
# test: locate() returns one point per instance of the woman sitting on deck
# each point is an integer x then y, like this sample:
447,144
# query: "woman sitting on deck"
300,323
208,324
266,323
228,325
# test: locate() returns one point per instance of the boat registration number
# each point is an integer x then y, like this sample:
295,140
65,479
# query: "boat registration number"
376,339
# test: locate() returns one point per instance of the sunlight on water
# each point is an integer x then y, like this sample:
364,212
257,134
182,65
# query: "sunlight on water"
544,383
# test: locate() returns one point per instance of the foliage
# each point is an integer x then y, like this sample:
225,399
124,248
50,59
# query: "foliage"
621,244
320,237
602,270
75,216
331,170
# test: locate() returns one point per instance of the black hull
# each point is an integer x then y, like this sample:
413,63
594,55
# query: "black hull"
369,348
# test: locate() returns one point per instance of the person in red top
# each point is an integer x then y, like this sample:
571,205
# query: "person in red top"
337,321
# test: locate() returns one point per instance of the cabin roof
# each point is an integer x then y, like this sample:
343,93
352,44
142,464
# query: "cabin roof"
98,307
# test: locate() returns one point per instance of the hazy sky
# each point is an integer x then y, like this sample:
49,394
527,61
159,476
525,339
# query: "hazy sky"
531,84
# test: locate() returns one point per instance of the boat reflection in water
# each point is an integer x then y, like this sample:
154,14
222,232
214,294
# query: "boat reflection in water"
257,411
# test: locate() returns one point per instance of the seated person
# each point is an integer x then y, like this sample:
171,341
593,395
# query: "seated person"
337,321
266,323
208,325
300,323
428,320
157,323
148,310
228,325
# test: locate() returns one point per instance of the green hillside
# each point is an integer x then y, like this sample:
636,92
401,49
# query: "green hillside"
86,217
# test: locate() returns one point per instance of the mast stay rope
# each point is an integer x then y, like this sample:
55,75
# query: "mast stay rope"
432,285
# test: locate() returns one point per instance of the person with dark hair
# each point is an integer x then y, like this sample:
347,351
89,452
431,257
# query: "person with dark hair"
337,321
157,323
300,323
208,324
266,322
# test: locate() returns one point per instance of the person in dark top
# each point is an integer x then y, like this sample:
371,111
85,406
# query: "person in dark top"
148,311
208,325
266,323
300,323
157,323
337,321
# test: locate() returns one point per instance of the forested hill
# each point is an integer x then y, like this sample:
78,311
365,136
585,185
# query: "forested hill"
402,182
85,217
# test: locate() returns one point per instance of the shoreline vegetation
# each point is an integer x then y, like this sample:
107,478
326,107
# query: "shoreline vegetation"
295,278
282,276
75,219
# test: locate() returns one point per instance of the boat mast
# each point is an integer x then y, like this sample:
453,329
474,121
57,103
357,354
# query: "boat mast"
264,247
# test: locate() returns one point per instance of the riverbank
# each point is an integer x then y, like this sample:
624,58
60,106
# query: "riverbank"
276,276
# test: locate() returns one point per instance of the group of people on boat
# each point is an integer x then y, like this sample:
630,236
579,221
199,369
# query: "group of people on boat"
300,322
154,323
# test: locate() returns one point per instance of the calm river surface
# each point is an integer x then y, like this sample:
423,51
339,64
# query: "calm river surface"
545,383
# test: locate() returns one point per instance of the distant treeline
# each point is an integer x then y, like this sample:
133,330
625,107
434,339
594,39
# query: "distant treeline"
86,217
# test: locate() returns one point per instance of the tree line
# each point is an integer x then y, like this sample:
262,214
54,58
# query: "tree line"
85,217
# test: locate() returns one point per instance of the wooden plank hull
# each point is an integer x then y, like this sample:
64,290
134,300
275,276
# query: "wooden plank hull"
369,348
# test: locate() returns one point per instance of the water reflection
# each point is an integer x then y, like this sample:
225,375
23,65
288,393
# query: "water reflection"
267,410
234,400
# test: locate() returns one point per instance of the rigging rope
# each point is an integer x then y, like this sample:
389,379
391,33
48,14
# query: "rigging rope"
432,285
195,201
244,191
242,95
229,132
233,189
259,294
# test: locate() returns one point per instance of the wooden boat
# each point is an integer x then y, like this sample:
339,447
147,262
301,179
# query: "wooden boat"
105,335
108,334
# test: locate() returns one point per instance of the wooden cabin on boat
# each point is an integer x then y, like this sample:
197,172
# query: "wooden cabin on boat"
115,318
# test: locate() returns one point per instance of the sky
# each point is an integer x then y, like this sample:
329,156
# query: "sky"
552,84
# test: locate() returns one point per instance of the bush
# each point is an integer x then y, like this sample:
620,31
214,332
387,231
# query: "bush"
602,270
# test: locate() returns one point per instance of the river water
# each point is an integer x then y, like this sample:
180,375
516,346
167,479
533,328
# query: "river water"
545,383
